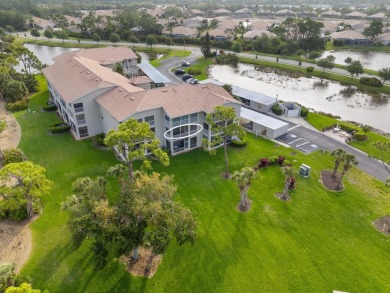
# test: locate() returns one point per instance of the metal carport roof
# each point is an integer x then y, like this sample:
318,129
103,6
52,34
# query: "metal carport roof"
152,72
261,119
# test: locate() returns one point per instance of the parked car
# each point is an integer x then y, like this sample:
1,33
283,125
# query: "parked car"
185,63
179,71
189,80
193,81
186,76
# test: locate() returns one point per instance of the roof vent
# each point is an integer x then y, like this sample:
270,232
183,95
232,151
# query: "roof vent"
97,79
164,91
204,86
87,72
120,90
79,65
132,99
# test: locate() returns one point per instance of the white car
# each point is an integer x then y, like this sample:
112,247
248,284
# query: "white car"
193,81
185,63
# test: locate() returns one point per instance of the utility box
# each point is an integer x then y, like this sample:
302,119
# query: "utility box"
304,170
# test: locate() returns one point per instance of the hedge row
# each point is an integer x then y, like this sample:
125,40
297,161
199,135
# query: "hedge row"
59,127
17,106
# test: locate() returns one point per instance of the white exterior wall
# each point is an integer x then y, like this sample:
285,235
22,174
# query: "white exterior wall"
130,67
108,122
158,122
91,111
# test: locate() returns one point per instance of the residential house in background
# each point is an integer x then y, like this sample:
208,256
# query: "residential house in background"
181,32
257,33
243,13
219,34
355,15
331,14
378,16
350,37
285,13
41,23
222,12
384,39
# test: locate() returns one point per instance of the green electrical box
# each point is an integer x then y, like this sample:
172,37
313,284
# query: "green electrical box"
304,170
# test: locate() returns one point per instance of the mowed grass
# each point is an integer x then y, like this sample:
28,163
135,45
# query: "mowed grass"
318,242
201,64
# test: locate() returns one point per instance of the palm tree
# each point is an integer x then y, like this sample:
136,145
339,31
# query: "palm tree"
288,172
350,161
243,179
339,155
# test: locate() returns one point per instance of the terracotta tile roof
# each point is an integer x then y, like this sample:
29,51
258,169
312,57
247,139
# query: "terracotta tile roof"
140,80
108,55
222,11
356,14
384,37
74,76
176,100
348,34
261,25
182,30
257,33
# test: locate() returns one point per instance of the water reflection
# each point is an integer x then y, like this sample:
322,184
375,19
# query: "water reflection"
326,96
369,60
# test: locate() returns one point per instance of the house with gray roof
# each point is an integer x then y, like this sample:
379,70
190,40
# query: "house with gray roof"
355,15
384,39
91,98
350,37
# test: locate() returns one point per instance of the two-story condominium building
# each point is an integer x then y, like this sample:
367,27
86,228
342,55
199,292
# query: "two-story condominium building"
93,99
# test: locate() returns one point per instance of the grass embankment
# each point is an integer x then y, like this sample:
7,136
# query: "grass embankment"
308,244
168,53
201,65
320,122
318,73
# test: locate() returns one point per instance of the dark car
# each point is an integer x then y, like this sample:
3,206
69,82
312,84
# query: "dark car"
179,71
186,76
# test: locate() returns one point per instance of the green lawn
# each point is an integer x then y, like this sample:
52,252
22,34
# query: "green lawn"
318,242
201,64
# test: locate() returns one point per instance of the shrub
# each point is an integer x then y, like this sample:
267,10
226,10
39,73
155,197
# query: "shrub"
360,136
349,128
276,110
273,160
13,156
314,55
304,112
238,143
285,52
337,43
281,160
18,214
17,106
264,162
229,59
371,81
300,52
3,125
99,139
194,71
50,106
310,69
59,127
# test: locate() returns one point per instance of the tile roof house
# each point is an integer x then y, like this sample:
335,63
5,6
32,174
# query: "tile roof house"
355,15
222,11
92,99
331,13
285,12
377,16
219,34
350,37
257,33
181,32
384,39
243,13
41,23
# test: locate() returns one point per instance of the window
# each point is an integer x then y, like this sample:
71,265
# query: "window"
176,121
193,142
205,126
193,128
78,107
139,120
193,117
150,120
83,131
80,119
166,118
184,119
245,101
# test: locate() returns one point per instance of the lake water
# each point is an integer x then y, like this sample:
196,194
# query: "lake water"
45,54
369,60
326,97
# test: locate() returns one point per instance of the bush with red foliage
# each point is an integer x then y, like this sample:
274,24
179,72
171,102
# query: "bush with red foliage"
281,160
292,183
264,162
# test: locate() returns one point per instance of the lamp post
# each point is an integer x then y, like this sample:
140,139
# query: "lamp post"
277,98
184,46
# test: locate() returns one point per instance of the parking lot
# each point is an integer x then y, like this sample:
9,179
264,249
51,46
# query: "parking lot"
297,142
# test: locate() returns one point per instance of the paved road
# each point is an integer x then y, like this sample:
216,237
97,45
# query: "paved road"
324,142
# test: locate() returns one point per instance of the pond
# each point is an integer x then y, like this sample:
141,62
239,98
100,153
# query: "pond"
369,60
45,53
327,97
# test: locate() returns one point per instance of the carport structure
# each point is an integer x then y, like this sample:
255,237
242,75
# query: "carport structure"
261,124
